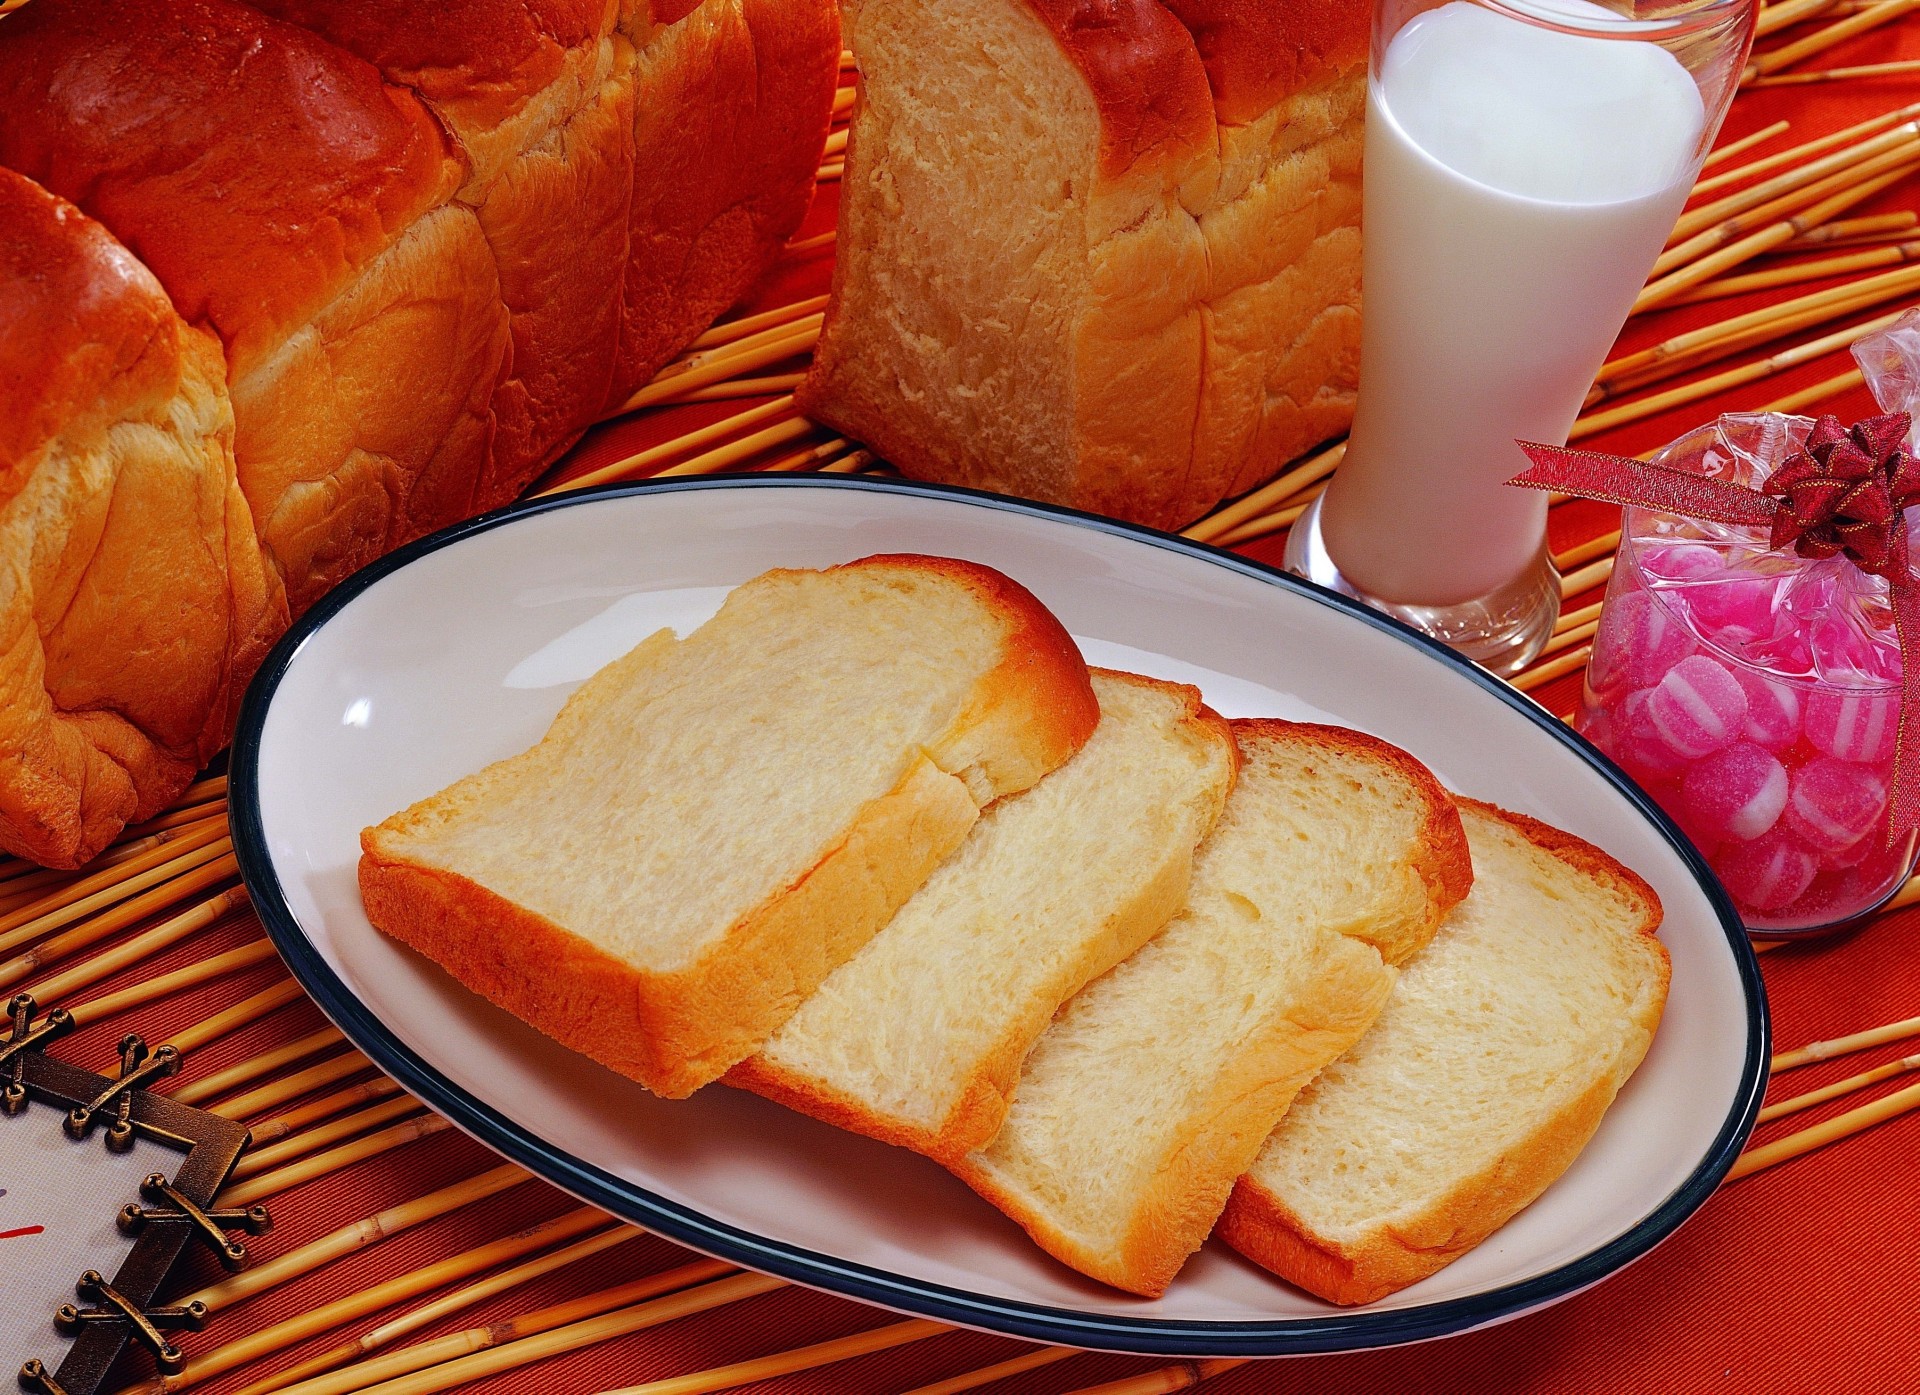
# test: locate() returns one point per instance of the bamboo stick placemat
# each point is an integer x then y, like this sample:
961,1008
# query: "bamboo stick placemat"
409,1259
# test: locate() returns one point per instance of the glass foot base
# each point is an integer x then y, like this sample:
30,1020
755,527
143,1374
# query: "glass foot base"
1503,632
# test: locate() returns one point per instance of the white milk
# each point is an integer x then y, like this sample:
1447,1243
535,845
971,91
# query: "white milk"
1519,184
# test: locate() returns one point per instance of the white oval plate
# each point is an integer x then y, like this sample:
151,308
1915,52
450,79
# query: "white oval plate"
459,649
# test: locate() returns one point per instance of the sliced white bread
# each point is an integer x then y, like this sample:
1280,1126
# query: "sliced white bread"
1154,1088
713,824
918,1039
1501,1046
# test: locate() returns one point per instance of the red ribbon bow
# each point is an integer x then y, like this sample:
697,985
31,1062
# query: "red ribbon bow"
1840,494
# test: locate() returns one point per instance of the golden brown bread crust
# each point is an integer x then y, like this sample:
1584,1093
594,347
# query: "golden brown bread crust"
733,103
1262,1227
1258,52
110,699
1144,75
537,99
982,1107
153,118
676,1031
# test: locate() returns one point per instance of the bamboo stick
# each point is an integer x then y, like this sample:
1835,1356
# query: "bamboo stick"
26,877
728,331
1794,273
331,1071
120,917
1754,326
637,463
1745,143
1777,17
1541,674
194,1092
110,962
807,1358
1573,619
1847,74
1183,1375
68,903
800,247
1585,552
727,361
1854,232
1272,523
1562,639
201,1368
335,1160
1721,209
830,171
1224,520
1830,1131
1000,1370
850,464
248,1010
311,1140
1908,895
192,976
1845,1046
1765,214
1840,1087
461,1357
1825,38
203,789
1770,237
180,814
729,388
1819,392
805,458
836,144
1595,422
742,450
387,1333
843,100
280,1125
1585,578
370,1230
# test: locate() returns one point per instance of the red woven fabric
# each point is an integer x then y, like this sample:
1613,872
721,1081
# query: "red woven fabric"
1801,1278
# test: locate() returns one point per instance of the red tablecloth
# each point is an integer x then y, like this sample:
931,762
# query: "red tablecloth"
1805,1277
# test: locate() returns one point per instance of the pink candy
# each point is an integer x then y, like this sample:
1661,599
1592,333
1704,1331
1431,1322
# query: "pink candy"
1640,747
1734,795
1852,724
1773,711
1766,874
1833,805
1698,708
1650,641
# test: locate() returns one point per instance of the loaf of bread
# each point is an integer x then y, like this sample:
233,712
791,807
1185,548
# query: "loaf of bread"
918,1038
116,484
1102,255
426,245
714,824
1503,1043
1157,1084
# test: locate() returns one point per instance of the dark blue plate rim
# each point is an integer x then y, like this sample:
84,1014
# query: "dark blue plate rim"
1335,1332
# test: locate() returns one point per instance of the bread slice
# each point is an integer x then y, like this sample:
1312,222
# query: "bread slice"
1502,1045
917,1039
1155,1086
713,824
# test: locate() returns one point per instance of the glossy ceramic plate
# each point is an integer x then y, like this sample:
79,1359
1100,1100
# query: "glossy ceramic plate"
458,650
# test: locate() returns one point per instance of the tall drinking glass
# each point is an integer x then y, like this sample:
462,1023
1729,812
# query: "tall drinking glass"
1525,162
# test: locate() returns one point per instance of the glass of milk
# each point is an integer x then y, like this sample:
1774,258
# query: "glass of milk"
1525,162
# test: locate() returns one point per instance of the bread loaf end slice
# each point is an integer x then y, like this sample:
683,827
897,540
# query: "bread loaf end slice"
713,824
1501,1047
918,1039
1154,1088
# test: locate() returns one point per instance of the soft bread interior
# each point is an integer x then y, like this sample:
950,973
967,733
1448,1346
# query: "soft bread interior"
1157,1083
1502,1044
967,237
918,1038
610,825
